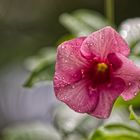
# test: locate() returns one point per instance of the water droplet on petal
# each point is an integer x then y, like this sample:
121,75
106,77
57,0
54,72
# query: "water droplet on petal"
135,93
63,47
90,44
63,78
129,84
73,86
95,58
82,72
66,61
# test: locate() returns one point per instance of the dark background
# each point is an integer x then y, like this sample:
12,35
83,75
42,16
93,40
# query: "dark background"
27,25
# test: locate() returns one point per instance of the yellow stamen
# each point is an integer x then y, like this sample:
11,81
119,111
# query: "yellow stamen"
102,67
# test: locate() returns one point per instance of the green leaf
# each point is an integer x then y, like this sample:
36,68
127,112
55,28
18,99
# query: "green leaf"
42,66
115,132
133,115
135,102
83,22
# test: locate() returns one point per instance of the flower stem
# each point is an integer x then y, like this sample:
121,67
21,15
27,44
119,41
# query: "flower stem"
109,10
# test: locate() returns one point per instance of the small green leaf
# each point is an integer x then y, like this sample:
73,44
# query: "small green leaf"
115,132
83,22
136,102
133,115
41,66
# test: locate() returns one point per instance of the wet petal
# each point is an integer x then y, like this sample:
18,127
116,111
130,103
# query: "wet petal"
130,73
79,96
103,42
107,96
69,62
114,61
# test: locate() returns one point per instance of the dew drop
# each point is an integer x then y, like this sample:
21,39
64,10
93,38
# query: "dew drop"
63,47
135,93
82,72
89,44
73,86
63,78
66,61
129,84
95,58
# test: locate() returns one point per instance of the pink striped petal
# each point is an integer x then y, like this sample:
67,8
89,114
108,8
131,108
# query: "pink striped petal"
130,73
79,96
69,62
107,96
103,42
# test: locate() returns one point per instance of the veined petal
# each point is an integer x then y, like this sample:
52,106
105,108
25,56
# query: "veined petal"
107,96
79,96
103,42
69,62
130,73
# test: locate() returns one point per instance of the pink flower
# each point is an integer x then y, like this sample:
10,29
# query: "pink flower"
92,71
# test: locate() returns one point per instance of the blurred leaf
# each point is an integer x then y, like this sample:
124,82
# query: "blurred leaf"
30,132
130,31
133,116
83,22
115,132
42,66
135,102
91,18
74,25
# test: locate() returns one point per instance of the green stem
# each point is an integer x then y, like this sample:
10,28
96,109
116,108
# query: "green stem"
109,10
133,115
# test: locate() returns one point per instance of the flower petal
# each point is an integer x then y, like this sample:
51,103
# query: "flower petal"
130,73
107,96
79,96
69,62
103,42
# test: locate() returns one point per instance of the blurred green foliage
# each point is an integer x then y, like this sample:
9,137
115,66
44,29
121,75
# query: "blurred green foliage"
133,115
115,132
83,22
42,66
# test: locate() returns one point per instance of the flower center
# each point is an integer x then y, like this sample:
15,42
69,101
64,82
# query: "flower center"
102,67
99,73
